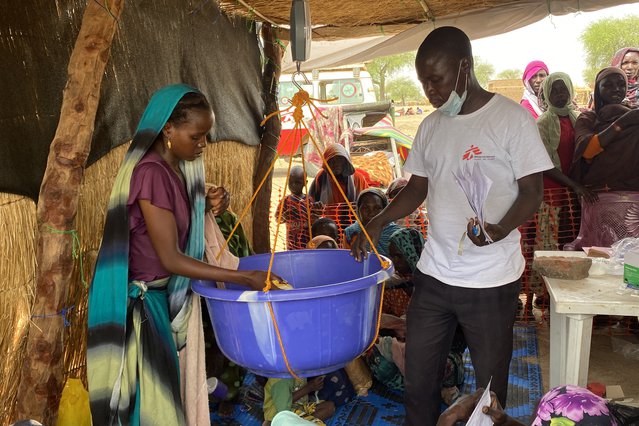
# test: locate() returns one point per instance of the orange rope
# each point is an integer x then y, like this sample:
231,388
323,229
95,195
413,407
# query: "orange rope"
279,340
379,320
385,264
267,287
248,206
300,99
308,209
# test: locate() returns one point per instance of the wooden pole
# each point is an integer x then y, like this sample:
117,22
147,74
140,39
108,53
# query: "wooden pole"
42,373
273,51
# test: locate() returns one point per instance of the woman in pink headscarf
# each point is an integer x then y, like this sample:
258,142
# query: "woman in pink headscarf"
628,60
533,77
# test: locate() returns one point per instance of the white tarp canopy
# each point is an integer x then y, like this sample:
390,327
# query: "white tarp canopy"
477,24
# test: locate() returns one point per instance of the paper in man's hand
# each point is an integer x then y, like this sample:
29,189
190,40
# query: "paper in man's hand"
475,185
478,418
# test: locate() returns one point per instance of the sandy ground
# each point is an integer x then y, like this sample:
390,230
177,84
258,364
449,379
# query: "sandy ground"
606,365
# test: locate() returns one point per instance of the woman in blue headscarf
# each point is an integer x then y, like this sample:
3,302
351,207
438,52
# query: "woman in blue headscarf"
153,244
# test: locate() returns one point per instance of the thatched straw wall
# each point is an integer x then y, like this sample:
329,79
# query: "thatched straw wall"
17,279
230,164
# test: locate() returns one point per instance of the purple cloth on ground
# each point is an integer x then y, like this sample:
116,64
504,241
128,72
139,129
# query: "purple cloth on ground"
154,180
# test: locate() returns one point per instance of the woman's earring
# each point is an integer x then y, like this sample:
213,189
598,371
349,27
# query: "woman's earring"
168,144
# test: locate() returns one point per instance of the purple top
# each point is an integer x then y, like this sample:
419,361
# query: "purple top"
154,180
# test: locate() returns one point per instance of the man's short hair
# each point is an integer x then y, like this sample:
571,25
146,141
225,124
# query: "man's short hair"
450,41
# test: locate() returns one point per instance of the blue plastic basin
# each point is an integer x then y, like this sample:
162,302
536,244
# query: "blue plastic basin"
325,322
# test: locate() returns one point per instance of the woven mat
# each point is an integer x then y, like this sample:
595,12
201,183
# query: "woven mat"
384,407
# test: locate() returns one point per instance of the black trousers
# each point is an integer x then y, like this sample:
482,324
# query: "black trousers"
486,317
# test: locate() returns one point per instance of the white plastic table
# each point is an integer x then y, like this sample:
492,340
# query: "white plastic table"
573,303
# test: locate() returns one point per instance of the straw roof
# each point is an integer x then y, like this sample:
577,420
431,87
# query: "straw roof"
337,19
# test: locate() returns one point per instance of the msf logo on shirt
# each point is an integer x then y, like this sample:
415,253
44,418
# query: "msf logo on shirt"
471,153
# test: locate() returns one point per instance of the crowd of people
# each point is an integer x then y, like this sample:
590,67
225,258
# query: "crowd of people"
447,294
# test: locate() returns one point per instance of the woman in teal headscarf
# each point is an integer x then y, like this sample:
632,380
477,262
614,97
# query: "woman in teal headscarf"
153,243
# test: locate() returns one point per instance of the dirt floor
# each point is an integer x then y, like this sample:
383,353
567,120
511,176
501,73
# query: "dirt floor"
607,366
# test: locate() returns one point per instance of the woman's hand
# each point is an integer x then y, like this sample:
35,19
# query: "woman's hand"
217,200
629,119
497,414
589,196
257,280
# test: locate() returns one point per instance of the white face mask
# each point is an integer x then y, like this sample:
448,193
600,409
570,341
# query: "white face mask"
454,103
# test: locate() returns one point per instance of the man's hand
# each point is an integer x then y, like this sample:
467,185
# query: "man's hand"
217,200
477,236
359,244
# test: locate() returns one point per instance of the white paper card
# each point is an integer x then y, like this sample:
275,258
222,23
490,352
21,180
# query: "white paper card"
475,185
478,418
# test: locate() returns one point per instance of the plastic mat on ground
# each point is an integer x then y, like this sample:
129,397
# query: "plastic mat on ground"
384,407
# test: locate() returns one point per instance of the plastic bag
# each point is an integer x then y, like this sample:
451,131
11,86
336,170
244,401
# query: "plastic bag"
621,247
624,414
74,405
359,375
628,347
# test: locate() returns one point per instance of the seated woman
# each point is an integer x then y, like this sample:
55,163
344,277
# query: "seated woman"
628,60
325,190
386,360
404,249
369,203
607,138
563,405
534,75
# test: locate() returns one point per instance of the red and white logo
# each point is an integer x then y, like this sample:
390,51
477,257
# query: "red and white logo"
471,152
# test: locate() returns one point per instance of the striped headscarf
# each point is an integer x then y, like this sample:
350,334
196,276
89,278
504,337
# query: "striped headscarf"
108,296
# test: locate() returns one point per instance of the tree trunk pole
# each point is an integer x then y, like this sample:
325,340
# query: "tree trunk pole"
273,51
42,373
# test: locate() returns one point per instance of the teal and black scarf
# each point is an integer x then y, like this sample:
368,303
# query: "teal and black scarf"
134,332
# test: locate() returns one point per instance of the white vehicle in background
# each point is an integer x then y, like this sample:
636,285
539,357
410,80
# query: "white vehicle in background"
348,85
351,88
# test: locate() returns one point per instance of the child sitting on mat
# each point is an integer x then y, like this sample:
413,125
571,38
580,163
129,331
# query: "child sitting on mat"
326,226
322,242
293,395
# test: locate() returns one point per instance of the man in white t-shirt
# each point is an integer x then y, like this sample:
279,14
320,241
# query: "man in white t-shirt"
471,282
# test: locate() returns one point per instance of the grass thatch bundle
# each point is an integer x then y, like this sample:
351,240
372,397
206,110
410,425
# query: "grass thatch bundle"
358,18
231,165
17,269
